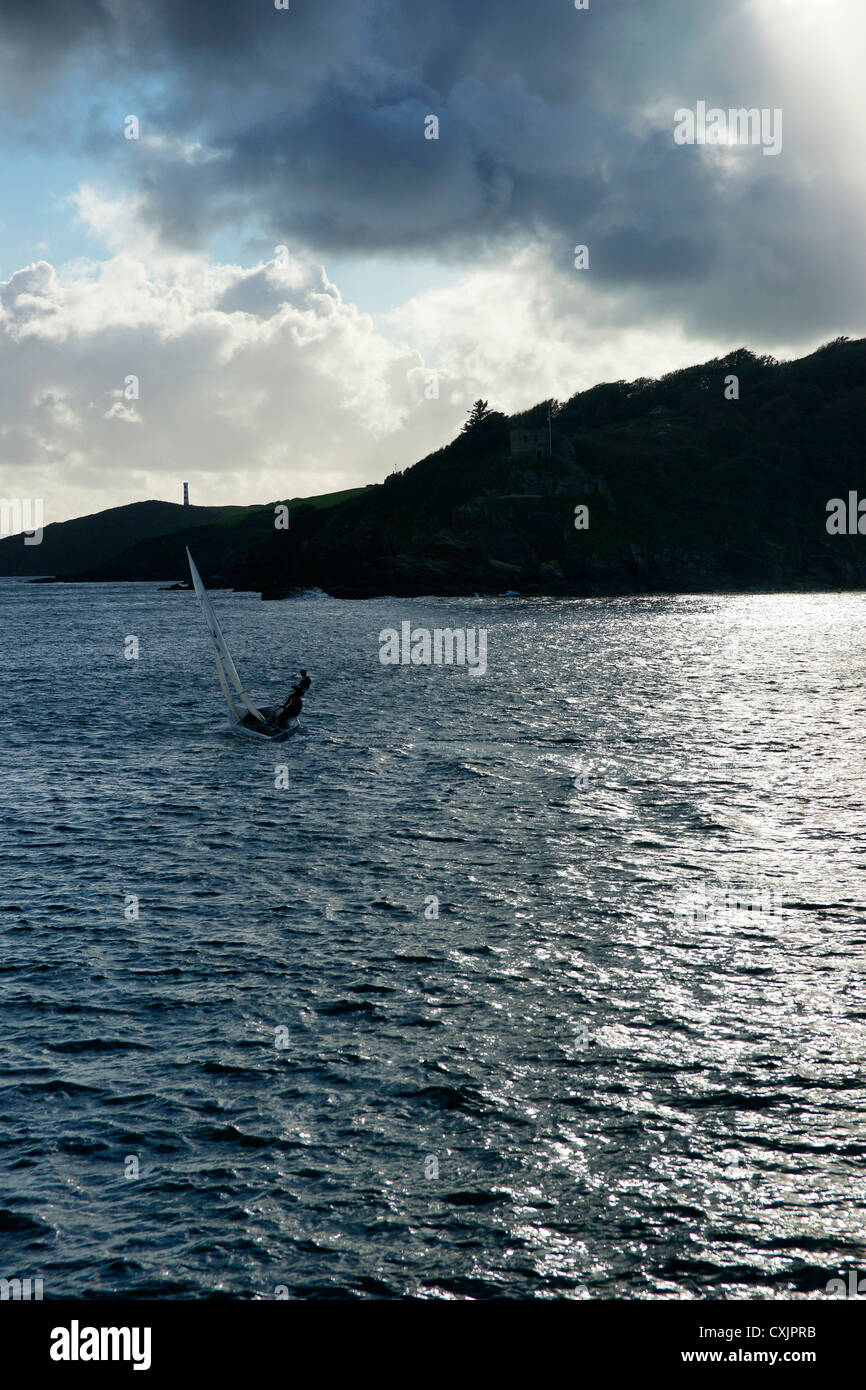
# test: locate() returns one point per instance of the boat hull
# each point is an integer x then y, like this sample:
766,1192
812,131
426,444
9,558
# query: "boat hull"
252,729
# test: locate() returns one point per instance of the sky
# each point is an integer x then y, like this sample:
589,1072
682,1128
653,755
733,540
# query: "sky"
282,287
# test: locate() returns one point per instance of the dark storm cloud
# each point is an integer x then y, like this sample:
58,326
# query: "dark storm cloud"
326,146
554,124
35,39
52,26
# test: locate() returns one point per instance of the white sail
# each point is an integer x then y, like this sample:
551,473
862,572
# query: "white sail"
226,669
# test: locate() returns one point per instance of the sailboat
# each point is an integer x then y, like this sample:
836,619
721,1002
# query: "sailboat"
247,717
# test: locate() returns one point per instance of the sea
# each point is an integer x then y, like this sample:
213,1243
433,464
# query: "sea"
545,982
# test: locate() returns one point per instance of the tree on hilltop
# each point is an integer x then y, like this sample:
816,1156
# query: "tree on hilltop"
479,412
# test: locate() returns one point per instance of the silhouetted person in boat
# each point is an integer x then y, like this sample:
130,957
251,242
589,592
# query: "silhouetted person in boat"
292,706
290,709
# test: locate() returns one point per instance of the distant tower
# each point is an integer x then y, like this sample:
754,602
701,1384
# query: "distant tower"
186,494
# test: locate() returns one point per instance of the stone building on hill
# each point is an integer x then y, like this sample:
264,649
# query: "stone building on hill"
536,444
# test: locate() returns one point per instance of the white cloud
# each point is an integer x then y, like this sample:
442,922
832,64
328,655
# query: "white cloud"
518,331
302,396
255,384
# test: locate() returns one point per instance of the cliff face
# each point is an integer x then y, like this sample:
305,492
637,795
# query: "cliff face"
719,490
494,544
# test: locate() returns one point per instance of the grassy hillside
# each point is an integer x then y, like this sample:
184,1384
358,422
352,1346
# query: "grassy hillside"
93,540
222,547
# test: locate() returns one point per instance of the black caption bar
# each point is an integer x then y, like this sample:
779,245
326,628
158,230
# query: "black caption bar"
222,1337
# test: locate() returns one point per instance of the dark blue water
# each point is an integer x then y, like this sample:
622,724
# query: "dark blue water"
626,1058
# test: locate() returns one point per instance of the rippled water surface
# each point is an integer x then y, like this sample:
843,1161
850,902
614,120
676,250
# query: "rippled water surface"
570,1082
